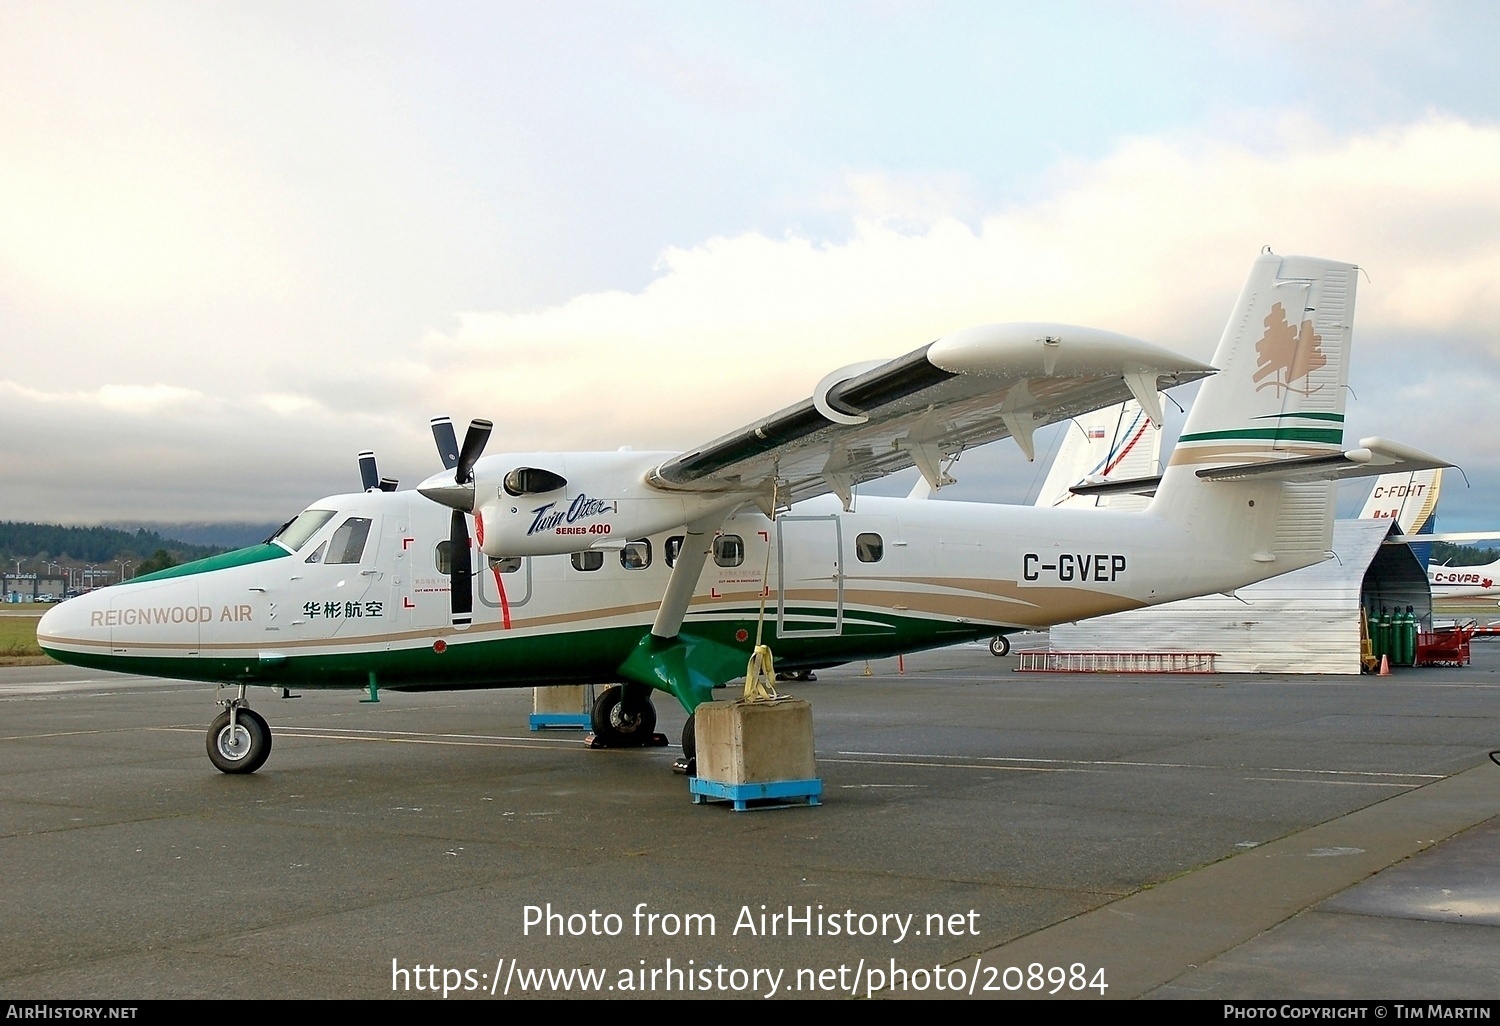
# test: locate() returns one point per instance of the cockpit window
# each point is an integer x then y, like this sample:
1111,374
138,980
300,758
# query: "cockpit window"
317,556
306,524
348,543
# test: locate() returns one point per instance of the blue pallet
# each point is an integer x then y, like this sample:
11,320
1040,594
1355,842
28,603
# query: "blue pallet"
560,721
742,794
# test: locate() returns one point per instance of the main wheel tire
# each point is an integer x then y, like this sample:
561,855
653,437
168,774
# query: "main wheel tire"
619,727
690,738
1000,645
242,748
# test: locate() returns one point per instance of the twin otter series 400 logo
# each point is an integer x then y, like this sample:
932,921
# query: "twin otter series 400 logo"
565,521
1286,354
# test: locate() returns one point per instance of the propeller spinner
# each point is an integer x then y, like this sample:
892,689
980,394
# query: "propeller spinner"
459,494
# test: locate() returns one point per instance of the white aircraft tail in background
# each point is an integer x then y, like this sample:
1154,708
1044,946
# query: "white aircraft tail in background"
1113,444
1410,498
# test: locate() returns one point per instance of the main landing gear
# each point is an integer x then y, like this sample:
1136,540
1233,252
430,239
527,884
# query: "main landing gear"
1000,645
623,717
688,764
239,739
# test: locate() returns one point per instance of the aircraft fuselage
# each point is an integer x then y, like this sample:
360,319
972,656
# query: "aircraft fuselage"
895,576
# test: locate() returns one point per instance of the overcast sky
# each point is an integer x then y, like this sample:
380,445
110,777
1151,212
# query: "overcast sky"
241,242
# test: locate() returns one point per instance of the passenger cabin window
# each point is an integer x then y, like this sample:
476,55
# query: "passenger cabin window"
506,564
729,550
869,548
674,548
348,543
589,559
636,555
442,555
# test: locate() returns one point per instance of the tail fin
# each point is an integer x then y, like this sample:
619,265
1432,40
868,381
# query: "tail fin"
1279,395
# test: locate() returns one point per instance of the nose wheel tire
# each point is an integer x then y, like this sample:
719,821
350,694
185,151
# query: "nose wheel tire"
1000,645
621,727
242,747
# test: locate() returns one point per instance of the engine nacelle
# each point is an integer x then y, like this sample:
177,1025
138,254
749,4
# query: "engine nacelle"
538,504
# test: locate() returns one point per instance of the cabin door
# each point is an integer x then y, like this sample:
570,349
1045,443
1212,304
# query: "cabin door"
810,579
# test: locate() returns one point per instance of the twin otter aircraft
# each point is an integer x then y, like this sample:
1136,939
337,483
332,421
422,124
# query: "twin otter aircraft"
651,569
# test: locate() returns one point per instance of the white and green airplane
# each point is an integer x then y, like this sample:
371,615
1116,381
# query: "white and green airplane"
653,570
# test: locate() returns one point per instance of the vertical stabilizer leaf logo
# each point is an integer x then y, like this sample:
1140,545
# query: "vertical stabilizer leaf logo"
1286,354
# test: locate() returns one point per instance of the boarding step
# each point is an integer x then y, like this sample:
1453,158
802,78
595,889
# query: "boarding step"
1117,662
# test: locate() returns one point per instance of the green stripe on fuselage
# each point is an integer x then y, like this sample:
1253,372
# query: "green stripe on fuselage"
239,557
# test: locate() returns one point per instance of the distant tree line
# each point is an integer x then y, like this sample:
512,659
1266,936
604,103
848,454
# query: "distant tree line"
31,543
1448,554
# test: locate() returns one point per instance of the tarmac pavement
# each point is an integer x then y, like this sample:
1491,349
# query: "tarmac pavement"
985,833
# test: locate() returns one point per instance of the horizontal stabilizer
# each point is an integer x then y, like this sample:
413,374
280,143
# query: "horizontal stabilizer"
1374,457
1126,486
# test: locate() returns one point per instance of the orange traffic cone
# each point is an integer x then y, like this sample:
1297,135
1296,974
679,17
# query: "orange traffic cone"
1385,666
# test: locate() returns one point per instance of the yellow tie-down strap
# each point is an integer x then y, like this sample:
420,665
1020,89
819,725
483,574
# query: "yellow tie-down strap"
760,676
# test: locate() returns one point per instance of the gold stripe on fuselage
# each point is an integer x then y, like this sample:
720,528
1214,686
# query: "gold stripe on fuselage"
999,602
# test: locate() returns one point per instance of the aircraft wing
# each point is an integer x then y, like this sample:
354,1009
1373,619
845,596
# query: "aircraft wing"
986,383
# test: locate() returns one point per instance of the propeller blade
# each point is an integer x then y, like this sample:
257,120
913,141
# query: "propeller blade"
447,441
474,441
369,478
388,484
461,570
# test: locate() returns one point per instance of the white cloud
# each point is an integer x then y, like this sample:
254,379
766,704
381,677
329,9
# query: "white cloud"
1152,240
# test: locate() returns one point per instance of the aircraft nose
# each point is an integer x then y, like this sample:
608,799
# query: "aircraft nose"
66,624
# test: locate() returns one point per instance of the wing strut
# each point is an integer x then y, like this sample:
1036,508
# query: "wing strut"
683,665
1142,385
1018,411
696,545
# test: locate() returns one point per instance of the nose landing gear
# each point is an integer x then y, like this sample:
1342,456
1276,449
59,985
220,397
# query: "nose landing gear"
239,739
